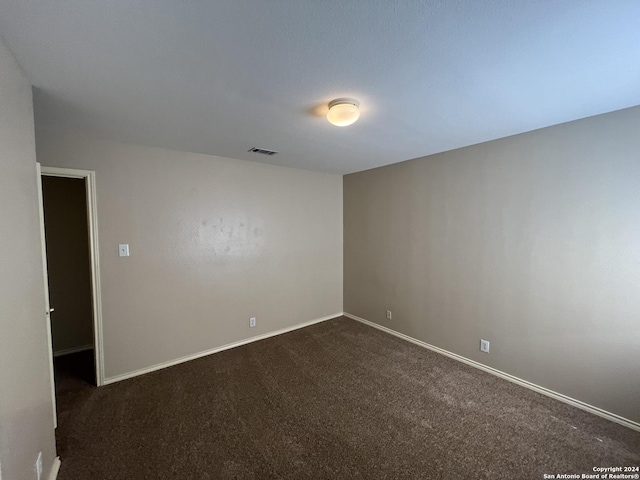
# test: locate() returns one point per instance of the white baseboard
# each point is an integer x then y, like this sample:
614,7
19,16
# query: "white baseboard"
187,358
55,468
69,351
498,373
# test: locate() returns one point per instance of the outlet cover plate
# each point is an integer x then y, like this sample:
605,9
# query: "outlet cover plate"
484,346
39,466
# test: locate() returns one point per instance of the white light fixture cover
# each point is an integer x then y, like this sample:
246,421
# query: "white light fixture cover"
343,112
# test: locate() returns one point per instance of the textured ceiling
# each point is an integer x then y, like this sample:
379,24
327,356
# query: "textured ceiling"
219,77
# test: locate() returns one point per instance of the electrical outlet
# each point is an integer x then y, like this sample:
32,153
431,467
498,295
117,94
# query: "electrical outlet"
39,466
252,322
484,346
389,316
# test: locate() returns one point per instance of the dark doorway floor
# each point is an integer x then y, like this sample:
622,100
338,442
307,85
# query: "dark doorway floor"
75,378
74,370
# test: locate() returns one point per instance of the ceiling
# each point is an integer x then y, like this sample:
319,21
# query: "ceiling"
220,77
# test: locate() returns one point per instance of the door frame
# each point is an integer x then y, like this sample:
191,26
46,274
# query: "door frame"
47,306
94,253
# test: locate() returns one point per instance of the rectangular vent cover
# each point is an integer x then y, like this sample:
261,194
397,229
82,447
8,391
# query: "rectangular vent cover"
263,151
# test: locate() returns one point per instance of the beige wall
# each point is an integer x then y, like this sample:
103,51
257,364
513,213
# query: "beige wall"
26,412
531,242
69,269
213,242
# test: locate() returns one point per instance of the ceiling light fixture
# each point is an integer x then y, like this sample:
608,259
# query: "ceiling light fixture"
343,112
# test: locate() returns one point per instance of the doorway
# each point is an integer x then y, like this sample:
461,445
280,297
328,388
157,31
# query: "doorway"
72,282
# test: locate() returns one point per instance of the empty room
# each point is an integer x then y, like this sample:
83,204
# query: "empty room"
319,240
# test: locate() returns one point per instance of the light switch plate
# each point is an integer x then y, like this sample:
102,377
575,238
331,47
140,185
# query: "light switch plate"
123,249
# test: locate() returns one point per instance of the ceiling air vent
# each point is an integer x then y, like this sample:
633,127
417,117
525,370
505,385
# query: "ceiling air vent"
263,151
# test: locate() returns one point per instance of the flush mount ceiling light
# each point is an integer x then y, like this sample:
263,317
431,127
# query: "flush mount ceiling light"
343,112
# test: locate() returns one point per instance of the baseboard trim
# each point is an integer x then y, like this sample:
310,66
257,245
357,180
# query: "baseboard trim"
69,351
511,378
228,346
55,468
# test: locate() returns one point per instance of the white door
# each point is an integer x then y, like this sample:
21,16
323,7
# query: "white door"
47,308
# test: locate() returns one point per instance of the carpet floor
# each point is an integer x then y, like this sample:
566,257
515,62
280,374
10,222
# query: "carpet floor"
334,400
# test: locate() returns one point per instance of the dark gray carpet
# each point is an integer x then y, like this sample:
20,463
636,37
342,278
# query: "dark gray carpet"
334,400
